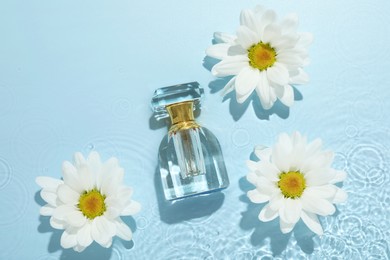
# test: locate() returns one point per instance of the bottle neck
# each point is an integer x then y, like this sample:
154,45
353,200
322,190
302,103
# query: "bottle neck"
182,116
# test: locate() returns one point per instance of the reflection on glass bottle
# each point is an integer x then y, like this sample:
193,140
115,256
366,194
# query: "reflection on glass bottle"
190,158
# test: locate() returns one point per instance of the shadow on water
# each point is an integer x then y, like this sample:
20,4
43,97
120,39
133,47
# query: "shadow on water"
94,251
262,230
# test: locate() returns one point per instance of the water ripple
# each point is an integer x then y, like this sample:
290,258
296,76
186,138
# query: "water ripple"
122,108
367,165
5,173
13,210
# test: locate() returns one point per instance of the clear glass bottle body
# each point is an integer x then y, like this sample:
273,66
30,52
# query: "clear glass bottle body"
191,163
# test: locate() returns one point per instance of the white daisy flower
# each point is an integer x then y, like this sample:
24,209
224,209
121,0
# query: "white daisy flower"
297,181
88,203
265,55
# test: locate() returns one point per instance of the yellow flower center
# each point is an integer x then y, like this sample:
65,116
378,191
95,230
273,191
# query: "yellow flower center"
292,184
261,56
91,203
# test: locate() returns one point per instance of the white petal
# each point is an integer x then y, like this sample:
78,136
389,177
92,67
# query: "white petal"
123,231
301,78
316,205
286,227
270,33
313,147
111,184
285,42
290,23
293,208
71,177
46,210
290,60
246,37
94,163
340,196
98,233
305,39
62,211
263,91
253,166
67,195
49,197
218,51
224,37
76,218
279,90
319,177
259,10
298,152
101,232
56,223
68,240
79,159
256,197
112,212
231,65
84,237
248,19
327,191
236,50
268,17
132,208
320,160
338,176
312,222
79,248
86,178
288,96
300,52
268,170
268,214
266,186
276,202
125,192
108,167
281,153
48,183
108,243
246,81
263,152
252,178
278,74
229,87
108,226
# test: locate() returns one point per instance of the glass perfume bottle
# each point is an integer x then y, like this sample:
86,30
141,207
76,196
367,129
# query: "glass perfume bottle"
190,157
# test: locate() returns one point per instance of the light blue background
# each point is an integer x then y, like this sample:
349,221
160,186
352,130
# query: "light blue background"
79,76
